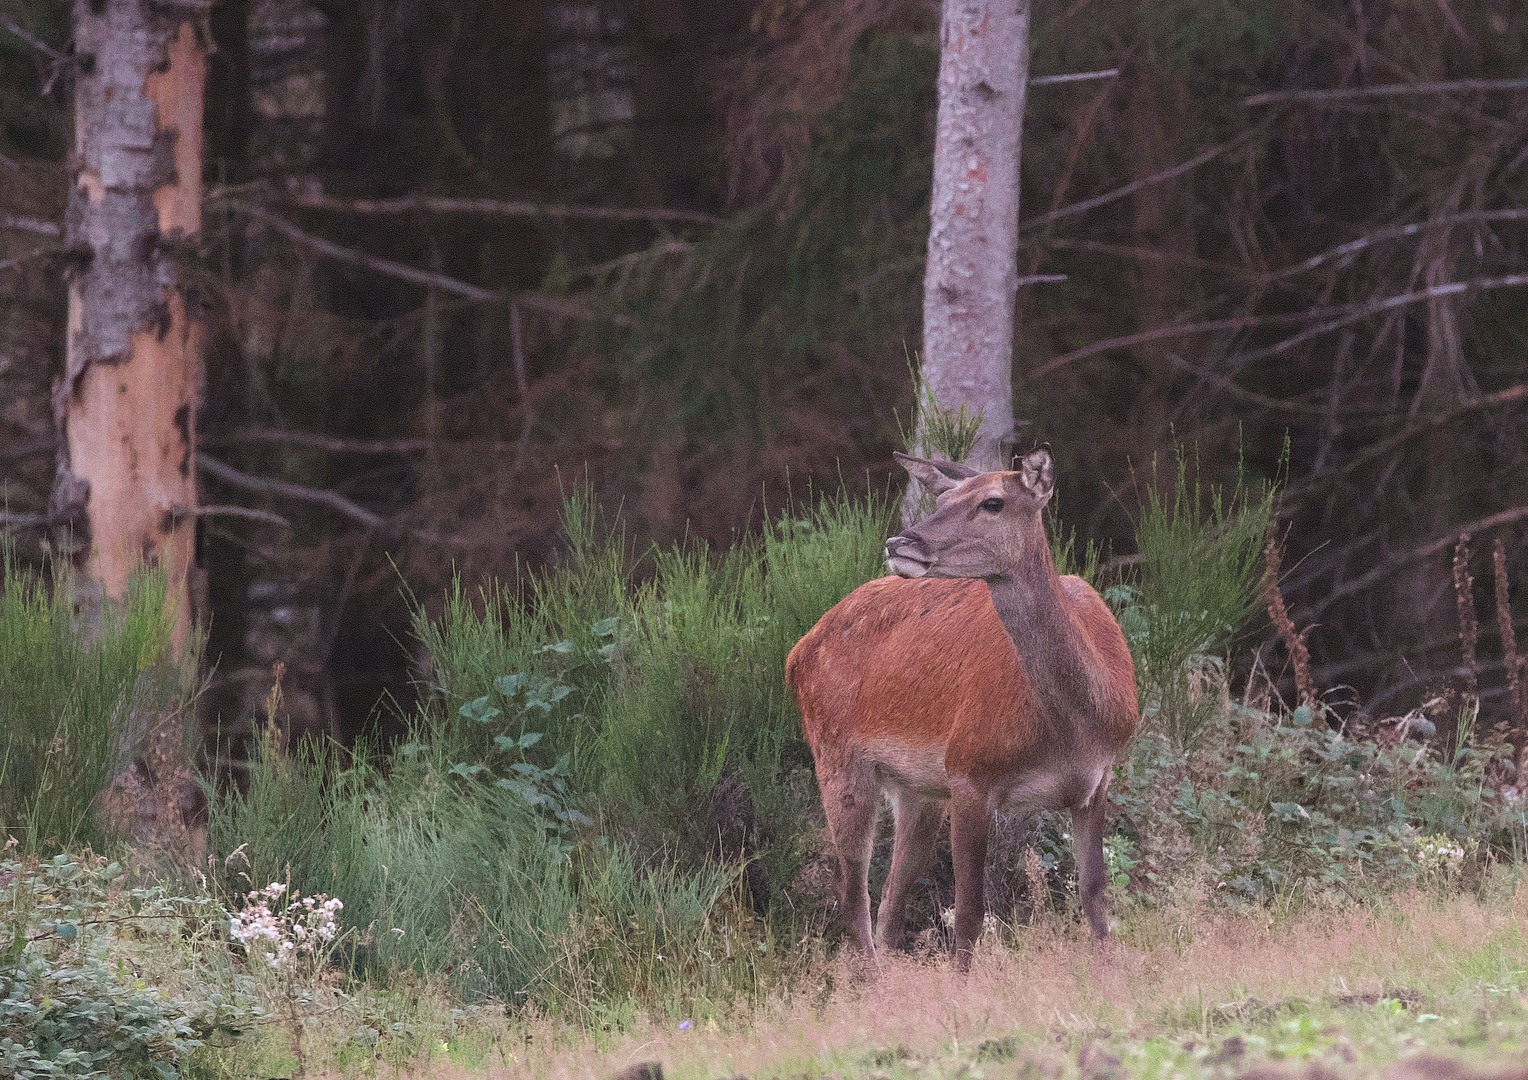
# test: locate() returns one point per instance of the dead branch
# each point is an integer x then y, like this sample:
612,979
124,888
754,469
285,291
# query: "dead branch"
37,43
264,486
500,208
1224,384
1136,185
428,279
1240,322
1360,312
1518,722
32,225
1390,565
1420,426
1145,254
1354,93
522,386
20,260
245,512
1394,232
1294,643
320,442
1080,76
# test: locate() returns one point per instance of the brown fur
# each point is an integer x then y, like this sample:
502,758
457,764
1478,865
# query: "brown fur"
915,687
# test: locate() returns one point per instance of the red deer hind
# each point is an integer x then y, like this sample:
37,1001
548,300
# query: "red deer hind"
976,675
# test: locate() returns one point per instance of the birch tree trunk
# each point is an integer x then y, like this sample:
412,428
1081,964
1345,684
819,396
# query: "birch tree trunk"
126,404
971,275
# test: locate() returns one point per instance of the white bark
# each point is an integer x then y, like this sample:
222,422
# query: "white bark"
971,276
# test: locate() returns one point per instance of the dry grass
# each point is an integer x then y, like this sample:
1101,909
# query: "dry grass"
1184,992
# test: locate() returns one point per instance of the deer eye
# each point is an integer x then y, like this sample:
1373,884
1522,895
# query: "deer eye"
992,506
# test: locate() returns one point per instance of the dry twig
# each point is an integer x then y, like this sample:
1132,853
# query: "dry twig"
1294,643
501,208
1354,93
1517,721
1469,626
332,499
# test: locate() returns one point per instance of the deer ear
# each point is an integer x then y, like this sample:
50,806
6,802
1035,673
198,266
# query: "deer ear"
1037,475
936,476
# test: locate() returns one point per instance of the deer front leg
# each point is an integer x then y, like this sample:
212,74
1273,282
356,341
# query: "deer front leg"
970,829
1092,872
918,821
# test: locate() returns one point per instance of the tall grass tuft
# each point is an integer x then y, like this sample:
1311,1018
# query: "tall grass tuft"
74,676
1197,584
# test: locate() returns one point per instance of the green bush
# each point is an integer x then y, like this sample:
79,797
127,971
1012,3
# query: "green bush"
73,671
80,949
1269,804
1197,583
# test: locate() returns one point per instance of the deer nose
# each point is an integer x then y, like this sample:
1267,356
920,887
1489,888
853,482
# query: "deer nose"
908,544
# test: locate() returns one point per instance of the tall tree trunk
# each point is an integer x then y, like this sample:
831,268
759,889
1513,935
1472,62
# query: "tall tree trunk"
126,405
971,276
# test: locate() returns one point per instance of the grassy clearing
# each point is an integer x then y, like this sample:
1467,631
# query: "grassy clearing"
603,826
1188,990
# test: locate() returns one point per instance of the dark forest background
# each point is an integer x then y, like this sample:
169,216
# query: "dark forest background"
691,269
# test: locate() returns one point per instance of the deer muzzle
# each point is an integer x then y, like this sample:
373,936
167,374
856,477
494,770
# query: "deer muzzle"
908,556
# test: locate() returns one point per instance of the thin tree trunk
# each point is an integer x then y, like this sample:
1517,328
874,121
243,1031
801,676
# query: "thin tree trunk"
971,276
126,404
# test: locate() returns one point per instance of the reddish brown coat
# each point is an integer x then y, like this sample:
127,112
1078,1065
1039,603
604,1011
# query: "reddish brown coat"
927,661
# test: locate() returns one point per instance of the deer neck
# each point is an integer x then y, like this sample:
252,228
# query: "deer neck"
1055,659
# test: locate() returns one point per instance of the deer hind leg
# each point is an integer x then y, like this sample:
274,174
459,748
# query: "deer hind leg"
918,819
1088,825
850,799
970,830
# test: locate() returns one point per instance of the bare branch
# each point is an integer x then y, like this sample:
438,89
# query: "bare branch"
1421,426
37,43
1156,334
45,444
10,264
501,208
1364,311
32,225
1131,188
320,442
332,499
1395,562
1354,93
386,267
1079,76
1395,232
426,278
231,511
1224,384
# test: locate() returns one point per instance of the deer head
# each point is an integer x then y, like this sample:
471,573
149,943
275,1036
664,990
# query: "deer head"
985,525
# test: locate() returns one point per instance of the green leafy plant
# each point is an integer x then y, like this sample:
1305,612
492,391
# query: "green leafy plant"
73,997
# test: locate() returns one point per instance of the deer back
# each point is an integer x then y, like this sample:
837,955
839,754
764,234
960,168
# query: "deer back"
926,662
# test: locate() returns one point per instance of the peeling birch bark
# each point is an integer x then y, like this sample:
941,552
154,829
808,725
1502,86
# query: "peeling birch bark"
971,276
126,403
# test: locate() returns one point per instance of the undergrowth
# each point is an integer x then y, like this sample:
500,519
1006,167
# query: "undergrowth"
79,677
604,813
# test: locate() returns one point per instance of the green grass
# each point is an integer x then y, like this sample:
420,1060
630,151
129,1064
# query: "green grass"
73,670
603,824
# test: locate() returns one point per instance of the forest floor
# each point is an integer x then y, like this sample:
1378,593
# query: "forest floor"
1424,986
